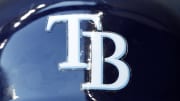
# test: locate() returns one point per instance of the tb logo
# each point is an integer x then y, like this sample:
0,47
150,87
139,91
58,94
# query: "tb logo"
97,59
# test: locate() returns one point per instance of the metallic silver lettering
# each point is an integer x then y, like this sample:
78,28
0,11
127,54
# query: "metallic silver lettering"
97,58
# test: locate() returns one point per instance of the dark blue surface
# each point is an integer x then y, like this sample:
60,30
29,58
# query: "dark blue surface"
31,56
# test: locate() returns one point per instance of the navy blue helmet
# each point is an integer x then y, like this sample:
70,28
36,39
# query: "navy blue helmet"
89,50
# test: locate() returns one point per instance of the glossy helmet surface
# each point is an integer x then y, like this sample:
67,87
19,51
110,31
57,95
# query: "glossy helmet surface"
30,55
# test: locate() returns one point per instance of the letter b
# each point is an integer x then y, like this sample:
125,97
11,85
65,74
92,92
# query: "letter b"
97,61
